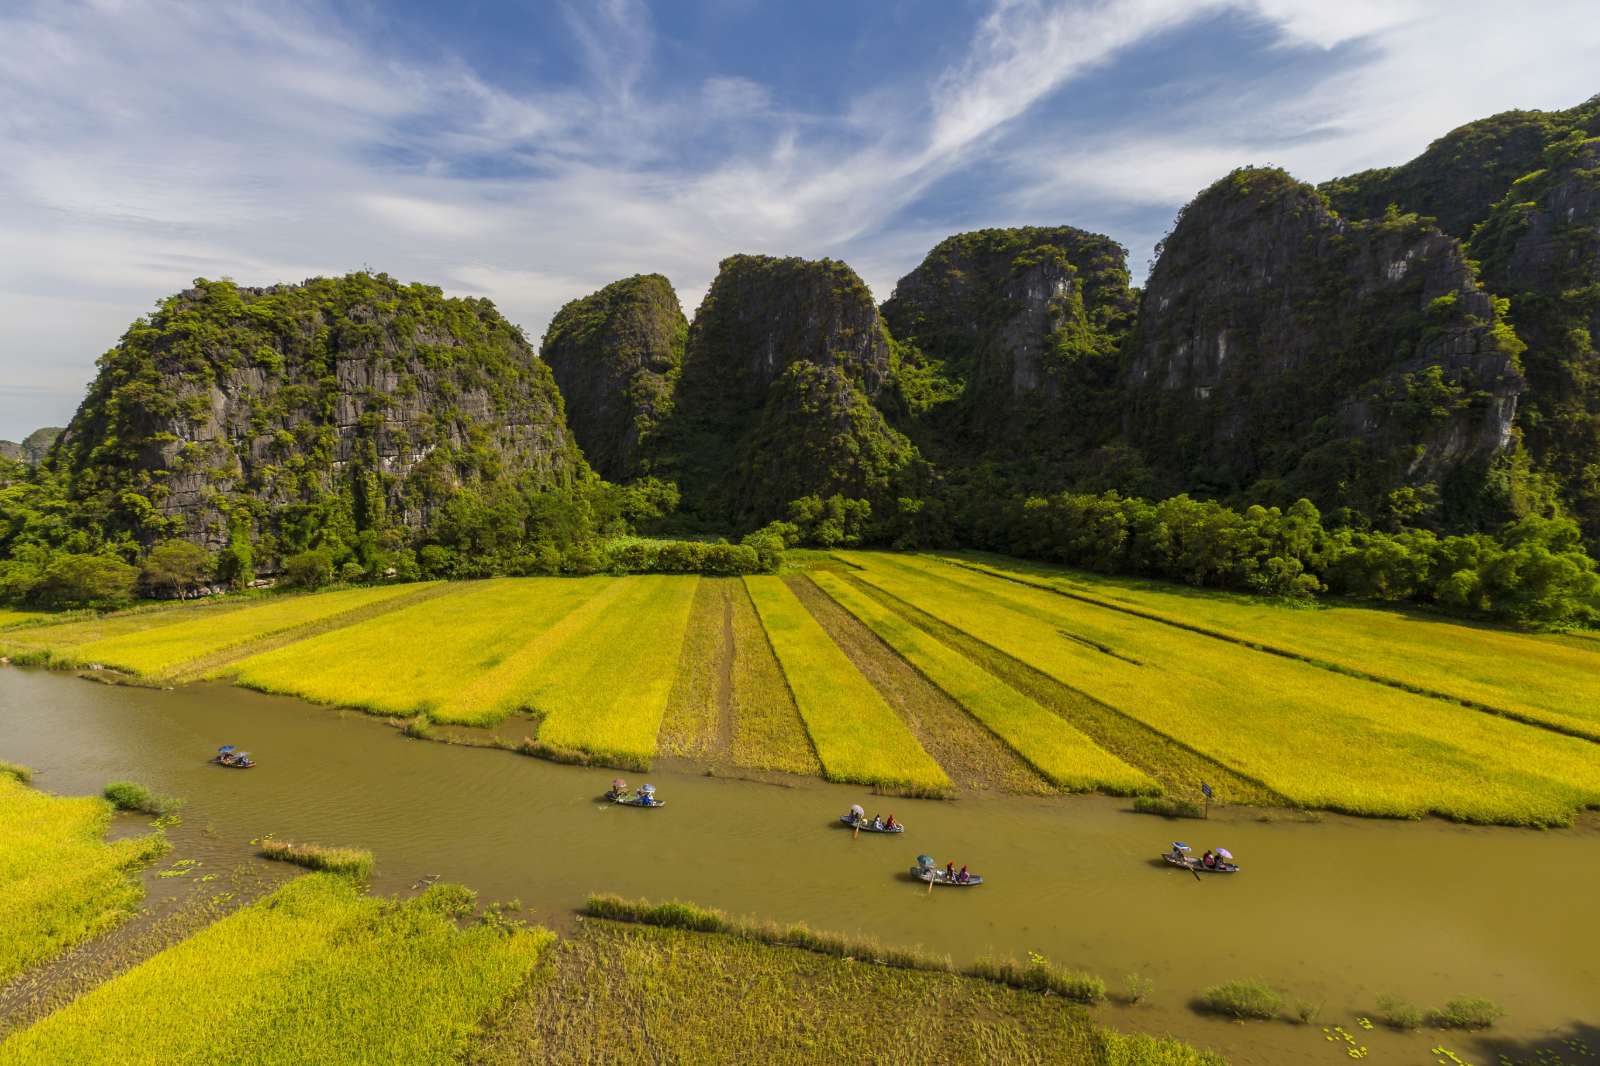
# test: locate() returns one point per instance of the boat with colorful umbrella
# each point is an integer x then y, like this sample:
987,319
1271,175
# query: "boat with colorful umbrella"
857,819
1179,856
927,870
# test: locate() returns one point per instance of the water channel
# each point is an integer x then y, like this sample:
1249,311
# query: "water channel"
1336,911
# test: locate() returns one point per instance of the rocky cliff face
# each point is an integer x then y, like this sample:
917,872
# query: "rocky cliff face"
357,403
1520,189
1011,339
1286,351
616,355
33,448
787,346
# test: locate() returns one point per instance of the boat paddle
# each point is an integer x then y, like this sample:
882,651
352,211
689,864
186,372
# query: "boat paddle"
1195,872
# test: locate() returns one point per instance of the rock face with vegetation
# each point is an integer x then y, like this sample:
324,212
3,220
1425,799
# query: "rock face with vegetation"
784,361
1283,352
1010,338
355,406
1523,190
616,355
33,448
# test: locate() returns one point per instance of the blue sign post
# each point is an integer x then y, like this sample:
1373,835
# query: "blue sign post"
1205,790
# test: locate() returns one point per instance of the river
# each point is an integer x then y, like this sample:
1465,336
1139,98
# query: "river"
1336,911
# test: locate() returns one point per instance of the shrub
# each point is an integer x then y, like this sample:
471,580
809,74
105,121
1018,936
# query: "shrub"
355,862
176,566
1168,806
1137,988
418,728
309,569
1467,1012
130,796
16,770
1307,1011
1396,1013
1242,999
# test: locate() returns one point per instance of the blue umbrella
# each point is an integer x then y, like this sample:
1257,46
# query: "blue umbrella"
648,789
924,860
1180,845
224,749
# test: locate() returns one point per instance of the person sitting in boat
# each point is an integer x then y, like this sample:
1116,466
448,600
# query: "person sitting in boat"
1208,860
1177,852
963,877
949,871
889,822
877,821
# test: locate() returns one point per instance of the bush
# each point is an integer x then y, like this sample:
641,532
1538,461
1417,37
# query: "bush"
1242,999
354,862
1396,1013
1137,987
309,569
1168,806
176,566
130,796
1467,1012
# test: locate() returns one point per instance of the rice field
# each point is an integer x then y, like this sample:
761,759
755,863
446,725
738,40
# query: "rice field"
61,883
857,736
431,657
1319,738
1524,675
609,705
927,675
1062,753
667,995
316,972
9,617
162,651
61,639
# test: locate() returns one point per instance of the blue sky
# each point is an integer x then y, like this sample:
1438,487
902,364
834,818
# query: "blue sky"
532,152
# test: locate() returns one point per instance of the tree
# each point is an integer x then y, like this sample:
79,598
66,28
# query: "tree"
177,565
309,569
73,580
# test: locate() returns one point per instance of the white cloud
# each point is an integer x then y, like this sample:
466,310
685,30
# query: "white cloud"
150,141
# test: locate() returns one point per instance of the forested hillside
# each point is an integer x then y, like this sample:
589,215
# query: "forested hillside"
1386,386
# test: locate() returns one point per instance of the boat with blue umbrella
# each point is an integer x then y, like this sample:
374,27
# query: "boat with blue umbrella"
928,870
645,797
233,758
857,819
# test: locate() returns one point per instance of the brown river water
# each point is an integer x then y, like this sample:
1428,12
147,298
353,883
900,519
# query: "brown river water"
1336,911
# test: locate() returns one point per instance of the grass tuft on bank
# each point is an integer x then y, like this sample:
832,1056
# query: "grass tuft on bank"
352,862
1242,999
17,771
132,796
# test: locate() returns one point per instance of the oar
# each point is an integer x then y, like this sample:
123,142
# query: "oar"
1195,872
857,834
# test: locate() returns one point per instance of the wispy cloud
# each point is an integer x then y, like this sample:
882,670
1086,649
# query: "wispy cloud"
150,141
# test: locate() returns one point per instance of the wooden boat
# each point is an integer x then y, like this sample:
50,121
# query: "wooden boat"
935,876
1195,864
635,801
241,761
866,826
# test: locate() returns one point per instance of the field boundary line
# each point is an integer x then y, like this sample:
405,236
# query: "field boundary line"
922,730
218,661
899,606
1057,786
1270,649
